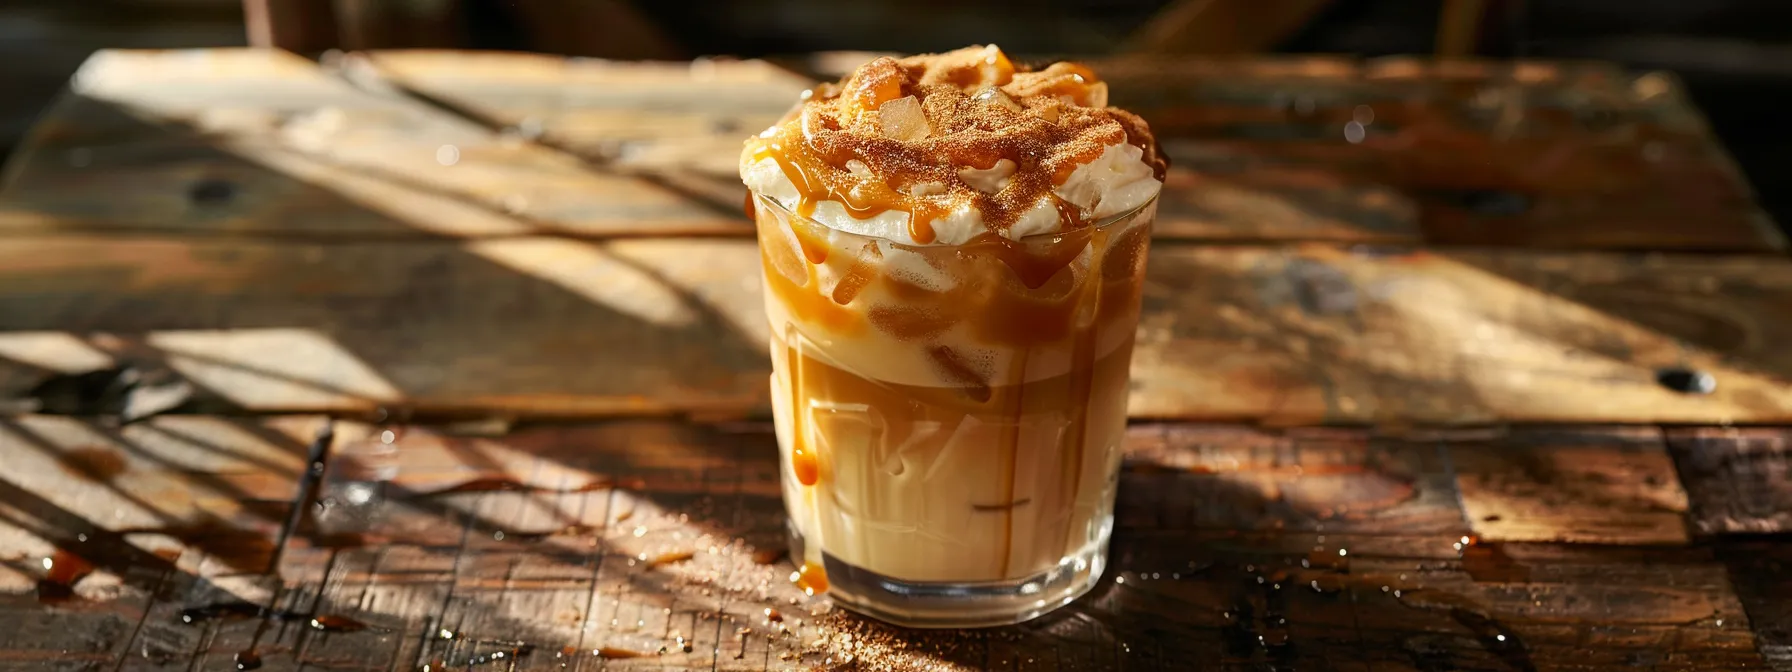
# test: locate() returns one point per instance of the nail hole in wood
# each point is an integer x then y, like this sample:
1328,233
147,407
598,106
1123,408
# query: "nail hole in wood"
211,191
1494,203
1686,381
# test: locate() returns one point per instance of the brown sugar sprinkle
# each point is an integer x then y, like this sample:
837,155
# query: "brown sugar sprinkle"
875,141
848,642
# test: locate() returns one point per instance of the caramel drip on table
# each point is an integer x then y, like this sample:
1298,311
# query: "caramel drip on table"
812,579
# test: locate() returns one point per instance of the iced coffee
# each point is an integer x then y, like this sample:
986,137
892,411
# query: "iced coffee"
953,252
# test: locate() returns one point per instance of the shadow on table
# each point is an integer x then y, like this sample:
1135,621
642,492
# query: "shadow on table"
262,320
260,307
208,311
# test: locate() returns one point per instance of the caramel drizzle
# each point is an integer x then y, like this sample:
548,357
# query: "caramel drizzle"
806,173
1047,139
812,189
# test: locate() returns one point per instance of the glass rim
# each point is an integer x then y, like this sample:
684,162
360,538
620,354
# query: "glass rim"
1105,222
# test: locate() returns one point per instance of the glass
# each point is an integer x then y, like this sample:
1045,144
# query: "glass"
950,418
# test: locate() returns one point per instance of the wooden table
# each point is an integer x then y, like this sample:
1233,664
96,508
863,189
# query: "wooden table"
1424,382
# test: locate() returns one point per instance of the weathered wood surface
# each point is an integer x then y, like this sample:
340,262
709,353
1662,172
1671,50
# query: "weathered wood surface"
633,536
1543,155
1739,479
259,142
555,326
1539,155
501,237
1602,486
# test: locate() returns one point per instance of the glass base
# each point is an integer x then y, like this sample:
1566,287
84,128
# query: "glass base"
934,604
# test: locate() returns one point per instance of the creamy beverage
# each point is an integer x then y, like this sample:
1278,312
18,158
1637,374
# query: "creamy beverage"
953,252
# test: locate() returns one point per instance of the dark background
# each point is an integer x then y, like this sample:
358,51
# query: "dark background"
1734,55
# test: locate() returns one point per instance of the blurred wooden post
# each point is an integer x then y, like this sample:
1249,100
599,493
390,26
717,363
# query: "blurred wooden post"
383,24
1222,26
1459,27
597,28
293,25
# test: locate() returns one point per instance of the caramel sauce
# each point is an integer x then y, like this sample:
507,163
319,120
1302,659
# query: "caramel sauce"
64,570
669,558
812,579
814,248
1066,465
863,200
956,370
858,276
979,109
1009,293
803,464
909,323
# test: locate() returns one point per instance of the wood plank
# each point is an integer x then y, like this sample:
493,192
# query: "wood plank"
254,142
262,142
1598,486
1739,478
1180,588
1527,154
1309,480
1759,571
1288,336
678,121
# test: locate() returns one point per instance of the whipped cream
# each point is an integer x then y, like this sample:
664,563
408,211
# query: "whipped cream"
1116,182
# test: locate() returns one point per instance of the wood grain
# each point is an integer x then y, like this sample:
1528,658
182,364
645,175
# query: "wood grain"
1738,478
248,142
1595,486
1309,480
261,142
1530,154
1759,571
1287,336
556,563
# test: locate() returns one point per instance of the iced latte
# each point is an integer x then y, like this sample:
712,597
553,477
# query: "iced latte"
953,254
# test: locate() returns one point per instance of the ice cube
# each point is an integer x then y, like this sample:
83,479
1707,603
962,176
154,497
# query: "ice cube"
994,96
779,245
902,119
915,268
969,372
995,67
1097,95
862,271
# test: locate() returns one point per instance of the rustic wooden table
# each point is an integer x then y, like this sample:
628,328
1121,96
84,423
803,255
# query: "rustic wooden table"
1424,382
